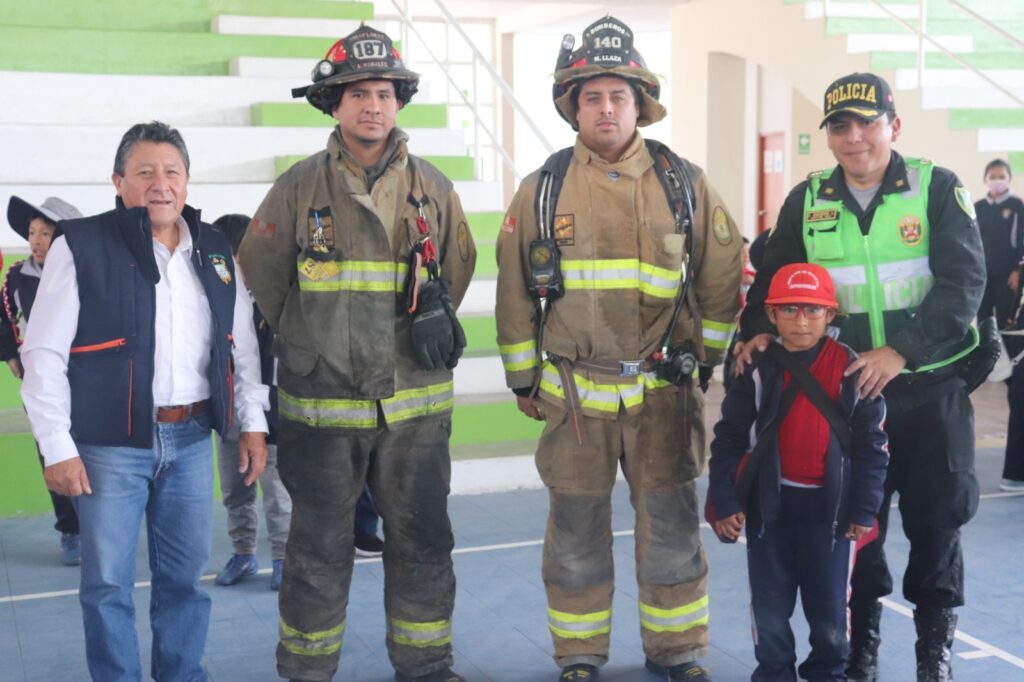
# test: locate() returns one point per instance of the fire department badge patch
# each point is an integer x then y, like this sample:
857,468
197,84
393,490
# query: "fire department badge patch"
220,266
720,226
509,224
1007,212
462,237
963,197
910,229
565,229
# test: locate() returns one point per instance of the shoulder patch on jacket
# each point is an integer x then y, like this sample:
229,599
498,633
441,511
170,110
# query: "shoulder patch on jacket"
462,237
963,197
220,266
261,228
720,226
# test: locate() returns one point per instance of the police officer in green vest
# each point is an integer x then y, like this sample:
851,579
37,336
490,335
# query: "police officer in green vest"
899,237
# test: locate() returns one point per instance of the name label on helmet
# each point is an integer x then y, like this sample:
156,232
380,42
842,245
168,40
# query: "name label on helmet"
369,49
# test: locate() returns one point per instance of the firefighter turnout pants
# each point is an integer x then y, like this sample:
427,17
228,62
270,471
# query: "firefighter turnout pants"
408,470
661,452
931,466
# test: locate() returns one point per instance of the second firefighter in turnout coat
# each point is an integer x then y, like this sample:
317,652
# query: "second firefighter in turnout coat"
621,260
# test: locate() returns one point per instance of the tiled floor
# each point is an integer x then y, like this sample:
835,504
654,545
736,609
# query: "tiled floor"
500,629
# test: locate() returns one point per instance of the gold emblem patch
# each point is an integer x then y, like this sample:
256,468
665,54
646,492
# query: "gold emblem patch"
320,270
822,215
720,226
963,197
910,229
462,237
1007,212
565,229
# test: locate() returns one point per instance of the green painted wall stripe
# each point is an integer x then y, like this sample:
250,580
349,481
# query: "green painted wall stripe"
454,167
492,423
170,15
481,335
961,119
485,226
1016,161
142,52
486,430
881,61
486,263
301,115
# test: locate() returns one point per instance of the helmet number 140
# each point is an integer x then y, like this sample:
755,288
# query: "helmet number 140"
605,42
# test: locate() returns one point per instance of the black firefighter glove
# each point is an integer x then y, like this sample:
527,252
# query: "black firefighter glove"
976,365
437,335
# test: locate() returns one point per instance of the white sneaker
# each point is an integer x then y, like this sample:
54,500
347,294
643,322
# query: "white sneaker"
1011,486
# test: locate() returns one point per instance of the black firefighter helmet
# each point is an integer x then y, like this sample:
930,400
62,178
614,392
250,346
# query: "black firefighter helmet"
607,50
364,54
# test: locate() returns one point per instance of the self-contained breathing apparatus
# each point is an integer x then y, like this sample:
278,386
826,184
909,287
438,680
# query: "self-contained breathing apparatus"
675,364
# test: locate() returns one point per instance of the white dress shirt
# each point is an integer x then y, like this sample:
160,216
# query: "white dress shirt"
182,340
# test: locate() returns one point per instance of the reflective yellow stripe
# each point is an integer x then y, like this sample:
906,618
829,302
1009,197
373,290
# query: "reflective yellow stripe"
517,357
599,397
363,276
419,402
322,643
420,635
717,334
580,626
679,619
318,412
620,273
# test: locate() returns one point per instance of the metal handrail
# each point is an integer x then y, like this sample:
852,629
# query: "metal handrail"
923,36
478,57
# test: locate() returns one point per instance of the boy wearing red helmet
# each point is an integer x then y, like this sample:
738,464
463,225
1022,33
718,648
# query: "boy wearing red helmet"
804,484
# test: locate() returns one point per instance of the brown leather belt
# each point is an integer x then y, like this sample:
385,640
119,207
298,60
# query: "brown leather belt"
174,414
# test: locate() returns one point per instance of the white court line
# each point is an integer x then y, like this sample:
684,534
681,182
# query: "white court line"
982,648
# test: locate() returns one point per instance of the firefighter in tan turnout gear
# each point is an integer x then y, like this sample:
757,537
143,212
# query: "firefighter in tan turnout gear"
619,274
358,257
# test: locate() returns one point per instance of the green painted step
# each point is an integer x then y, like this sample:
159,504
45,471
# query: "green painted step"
984,39
454,167
301,115
167,15
485,226
881,61
486,263
965,119
142,52
481,336
1016,161
492,423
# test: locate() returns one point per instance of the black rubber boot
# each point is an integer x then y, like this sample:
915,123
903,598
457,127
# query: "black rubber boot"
689,672
865,636
578,672
935,630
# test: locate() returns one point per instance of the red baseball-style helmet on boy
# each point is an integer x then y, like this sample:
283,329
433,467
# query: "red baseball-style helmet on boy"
806,283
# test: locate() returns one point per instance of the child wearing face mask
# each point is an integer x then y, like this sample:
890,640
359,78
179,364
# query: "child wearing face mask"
1001,221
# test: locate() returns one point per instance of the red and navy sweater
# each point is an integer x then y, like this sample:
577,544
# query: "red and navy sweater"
806,447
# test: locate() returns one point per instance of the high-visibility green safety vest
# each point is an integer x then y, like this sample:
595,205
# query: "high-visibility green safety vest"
881,278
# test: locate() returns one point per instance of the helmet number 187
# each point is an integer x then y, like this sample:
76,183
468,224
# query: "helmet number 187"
369,49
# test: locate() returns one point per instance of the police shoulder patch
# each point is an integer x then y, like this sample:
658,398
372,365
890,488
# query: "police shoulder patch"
963,197
720,226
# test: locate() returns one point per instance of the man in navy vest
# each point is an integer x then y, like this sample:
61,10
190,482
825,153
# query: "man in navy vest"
132,355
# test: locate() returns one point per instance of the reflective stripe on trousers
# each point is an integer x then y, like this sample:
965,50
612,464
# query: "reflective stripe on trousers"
679,619
420,635
362,414
322,643
580,626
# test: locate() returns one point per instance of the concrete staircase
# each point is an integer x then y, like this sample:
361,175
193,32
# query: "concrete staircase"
75,75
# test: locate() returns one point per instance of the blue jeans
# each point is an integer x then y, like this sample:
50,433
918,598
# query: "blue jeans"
366,516
173,484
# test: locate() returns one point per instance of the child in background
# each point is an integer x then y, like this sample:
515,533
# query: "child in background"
810,497
38,226
240,499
